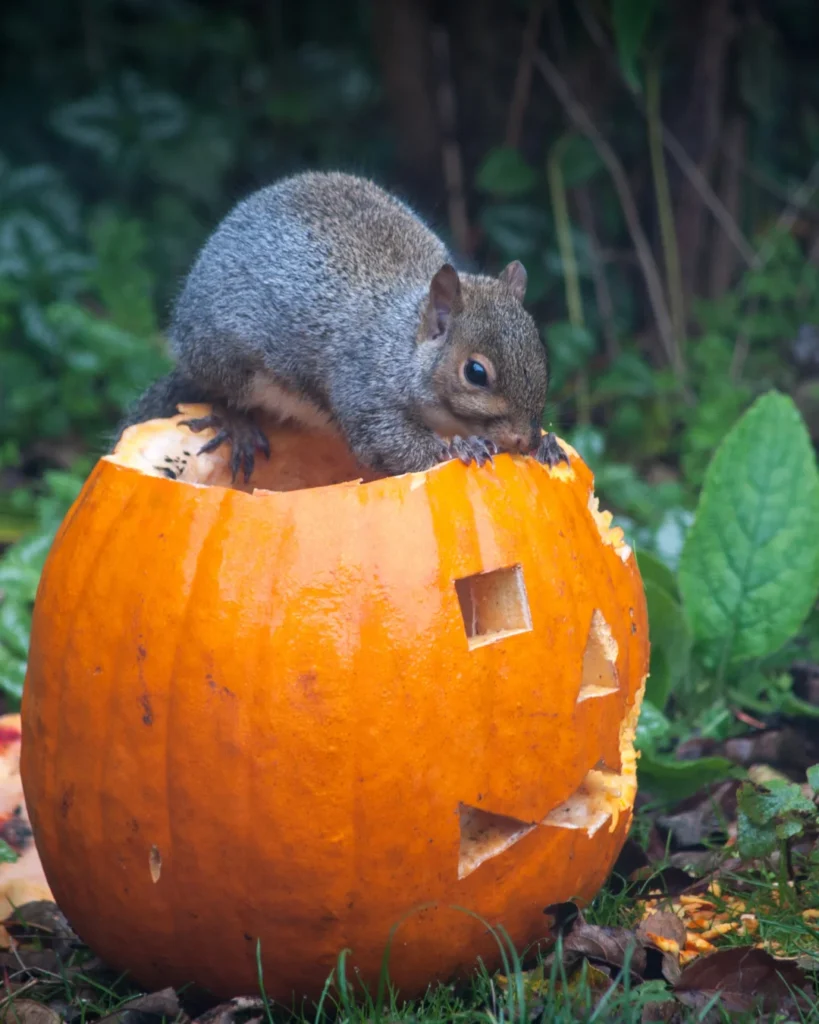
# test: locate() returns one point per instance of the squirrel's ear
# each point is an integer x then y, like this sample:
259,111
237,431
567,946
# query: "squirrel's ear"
514,277
444,300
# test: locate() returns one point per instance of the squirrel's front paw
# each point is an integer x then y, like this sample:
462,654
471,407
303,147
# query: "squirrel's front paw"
237,429
549,451
470,449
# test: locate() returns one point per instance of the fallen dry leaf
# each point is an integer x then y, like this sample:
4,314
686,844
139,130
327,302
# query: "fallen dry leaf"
664,1011
30,961
614,947
226,1013
164,1003
744,977
27,1011
702,816
665,932
24,880
41,921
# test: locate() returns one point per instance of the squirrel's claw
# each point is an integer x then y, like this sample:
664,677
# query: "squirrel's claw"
471,449
238,430
550,452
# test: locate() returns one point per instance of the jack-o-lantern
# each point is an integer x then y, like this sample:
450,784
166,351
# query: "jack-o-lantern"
295,711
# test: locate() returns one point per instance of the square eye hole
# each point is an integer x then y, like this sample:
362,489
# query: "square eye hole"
493,605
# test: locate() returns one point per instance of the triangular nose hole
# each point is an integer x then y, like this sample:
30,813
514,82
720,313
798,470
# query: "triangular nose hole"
485,835
599,661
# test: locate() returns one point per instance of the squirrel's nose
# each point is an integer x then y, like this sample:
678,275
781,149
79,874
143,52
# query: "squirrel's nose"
518,443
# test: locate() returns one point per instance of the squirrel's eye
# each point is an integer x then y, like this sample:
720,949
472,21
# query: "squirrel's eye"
476,374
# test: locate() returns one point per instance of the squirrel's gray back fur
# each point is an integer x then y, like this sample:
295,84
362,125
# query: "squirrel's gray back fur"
323,299
308,272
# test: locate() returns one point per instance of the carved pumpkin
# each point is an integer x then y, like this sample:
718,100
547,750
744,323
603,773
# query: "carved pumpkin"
297,715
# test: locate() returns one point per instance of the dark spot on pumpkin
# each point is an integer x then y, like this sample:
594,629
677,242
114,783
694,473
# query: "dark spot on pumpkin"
248,938
307,682
134,825
142,654
67,801
147,710
633,627
97,669
217,688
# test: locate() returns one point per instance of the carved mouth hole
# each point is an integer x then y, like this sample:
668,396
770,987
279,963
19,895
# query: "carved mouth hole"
599,661
485,835
593,803
493,605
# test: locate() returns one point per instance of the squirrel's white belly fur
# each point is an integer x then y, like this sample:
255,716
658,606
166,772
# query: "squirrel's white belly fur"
267,394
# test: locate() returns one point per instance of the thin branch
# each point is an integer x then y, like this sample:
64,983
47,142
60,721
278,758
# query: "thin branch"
523,78
451,153
665,209
723,258
788,216
766,183
708,195
563,228
648,265
675,148
605,305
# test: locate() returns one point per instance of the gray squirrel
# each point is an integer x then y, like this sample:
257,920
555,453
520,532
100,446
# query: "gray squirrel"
324,300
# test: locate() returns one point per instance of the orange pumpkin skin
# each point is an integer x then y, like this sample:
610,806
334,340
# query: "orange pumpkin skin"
257,716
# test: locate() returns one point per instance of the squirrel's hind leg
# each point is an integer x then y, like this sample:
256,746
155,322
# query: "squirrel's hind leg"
239,429
234,426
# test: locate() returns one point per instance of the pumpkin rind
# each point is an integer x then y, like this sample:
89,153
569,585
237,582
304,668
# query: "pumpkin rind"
257,716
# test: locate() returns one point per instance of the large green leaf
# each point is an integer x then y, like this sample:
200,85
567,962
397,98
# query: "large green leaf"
749,571
655,571
676,780
670,644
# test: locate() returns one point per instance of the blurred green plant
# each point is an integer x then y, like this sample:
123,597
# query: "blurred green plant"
748,578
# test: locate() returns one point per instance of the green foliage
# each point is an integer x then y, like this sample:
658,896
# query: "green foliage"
77,328
505,173
20,568
631,20
7,855
748,577
770,816
744,589
670,644
676,780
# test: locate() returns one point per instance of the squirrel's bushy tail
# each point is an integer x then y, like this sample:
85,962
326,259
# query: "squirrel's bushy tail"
160,401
